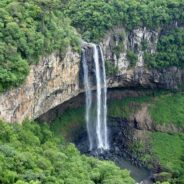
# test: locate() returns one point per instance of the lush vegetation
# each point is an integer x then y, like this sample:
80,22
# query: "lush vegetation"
111,69
170,111
165,151
169,150
132,57
126,107
71,121
170,50
33,154
34,28
164,107
94,18
168,108
28,30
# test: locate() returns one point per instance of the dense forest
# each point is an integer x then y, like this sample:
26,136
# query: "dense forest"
29,30
35,28
33,154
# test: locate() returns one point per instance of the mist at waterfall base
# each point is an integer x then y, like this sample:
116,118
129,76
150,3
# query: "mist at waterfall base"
96,112
102,141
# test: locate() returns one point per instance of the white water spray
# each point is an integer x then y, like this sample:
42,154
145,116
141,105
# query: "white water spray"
98,134
88,99
99,127
104,109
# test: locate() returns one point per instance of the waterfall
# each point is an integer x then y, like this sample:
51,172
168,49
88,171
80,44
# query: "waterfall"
104,110
99,128
97,131
88,99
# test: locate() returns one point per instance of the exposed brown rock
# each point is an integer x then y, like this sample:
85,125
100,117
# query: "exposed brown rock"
50,83
143,119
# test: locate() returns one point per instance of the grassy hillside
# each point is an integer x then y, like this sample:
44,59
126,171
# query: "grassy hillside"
169,150
168,108
33,154
163,107
166,150
71,121
126,107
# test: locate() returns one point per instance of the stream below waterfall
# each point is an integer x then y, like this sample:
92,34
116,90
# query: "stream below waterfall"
140,174
116,153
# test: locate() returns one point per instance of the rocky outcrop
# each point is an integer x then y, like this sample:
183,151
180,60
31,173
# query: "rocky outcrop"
50,83
116,46
170,78
118,43
143,121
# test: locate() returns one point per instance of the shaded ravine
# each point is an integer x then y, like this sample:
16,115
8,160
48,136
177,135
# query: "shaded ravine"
80,138
138,173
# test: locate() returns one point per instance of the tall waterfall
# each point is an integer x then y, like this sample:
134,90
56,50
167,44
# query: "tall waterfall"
88,99
104,108
98,134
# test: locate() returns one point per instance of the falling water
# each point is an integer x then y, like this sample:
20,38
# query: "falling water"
99,127
104,108
88,99
98,134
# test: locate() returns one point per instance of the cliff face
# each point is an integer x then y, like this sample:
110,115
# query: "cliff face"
49,84
119,42
54,80
116,46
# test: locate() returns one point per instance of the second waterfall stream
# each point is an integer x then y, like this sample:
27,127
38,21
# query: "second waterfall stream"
96,122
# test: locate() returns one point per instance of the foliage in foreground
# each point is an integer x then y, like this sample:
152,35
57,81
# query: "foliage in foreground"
32,154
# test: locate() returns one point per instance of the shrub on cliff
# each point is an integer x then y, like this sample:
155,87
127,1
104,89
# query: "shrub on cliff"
170,50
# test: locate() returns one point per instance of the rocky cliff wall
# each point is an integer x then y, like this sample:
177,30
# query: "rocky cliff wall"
50,83
54,80
116,46
119,42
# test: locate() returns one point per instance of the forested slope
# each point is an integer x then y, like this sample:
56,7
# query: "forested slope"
29,30
33,154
